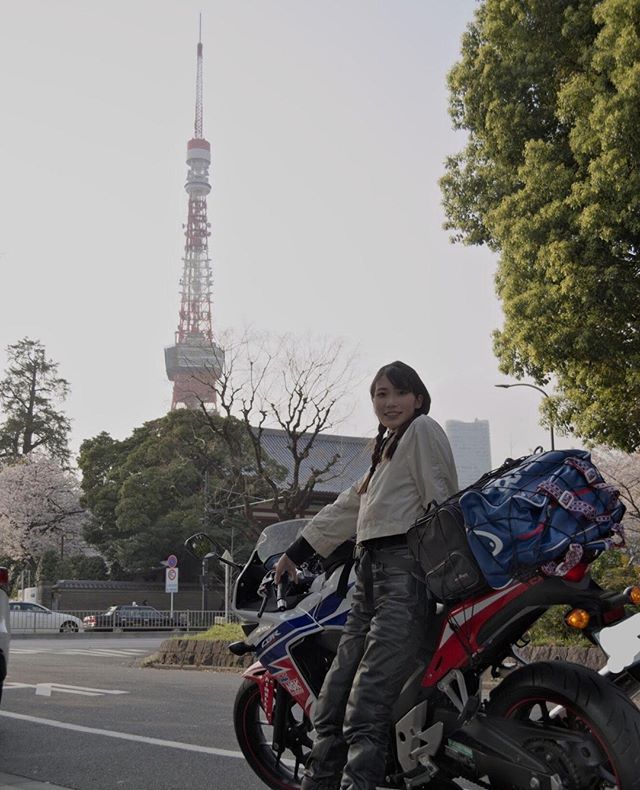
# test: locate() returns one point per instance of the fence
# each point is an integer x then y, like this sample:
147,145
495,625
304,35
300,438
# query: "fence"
29,618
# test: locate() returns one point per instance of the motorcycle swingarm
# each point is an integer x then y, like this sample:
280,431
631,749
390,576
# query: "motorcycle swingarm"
495,746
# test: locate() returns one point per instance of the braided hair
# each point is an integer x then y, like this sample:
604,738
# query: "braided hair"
404,377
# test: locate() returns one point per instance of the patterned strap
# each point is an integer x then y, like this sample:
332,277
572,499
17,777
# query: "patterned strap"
591,474
571,558
567,500
588,470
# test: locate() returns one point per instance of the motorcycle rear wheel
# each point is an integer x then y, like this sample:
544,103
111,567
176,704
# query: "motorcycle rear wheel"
255,736
588,703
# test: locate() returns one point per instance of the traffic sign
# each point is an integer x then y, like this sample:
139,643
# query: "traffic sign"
171,580
172,561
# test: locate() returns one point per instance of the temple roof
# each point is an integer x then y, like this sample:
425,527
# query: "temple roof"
353,458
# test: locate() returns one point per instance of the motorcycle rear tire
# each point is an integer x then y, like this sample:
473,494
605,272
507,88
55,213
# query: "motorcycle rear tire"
248,721
593,702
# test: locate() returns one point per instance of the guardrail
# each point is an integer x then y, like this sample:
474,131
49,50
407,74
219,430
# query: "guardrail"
127,618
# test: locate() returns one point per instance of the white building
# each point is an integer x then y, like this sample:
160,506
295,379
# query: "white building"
471,447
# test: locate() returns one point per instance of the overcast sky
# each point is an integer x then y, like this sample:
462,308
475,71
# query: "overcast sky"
329,128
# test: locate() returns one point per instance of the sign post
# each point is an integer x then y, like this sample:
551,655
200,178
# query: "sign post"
171,580
227,584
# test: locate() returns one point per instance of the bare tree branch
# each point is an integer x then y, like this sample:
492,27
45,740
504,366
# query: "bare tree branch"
290,383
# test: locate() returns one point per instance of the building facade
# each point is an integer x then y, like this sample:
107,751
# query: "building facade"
471,446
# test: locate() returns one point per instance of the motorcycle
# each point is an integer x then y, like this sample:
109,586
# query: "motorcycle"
548,725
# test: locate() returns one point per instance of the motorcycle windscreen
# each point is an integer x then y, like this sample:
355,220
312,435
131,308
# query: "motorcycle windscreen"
276,538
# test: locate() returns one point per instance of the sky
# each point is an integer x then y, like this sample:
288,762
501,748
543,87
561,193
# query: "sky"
329,128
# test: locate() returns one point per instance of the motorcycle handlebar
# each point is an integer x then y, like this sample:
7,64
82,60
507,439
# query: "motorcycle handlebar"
281,600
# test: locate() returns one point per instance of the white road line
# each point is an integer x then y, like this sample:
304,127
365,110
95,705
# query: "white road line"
116,652
125,736
80,651
104,653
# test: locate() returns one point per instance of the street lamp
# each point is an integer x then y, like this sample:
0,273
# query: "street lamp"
533,387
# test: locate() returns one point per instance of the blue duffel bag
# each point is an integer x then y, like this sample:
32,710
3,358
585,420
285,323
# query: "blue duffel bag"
549,507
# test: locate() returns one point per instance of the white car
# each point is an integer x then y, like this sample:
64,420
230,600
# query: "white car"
5,628
31,618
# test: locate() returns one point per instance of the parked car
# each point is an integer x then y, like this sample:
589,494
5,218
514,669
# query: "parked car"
5,625
32,618
130,616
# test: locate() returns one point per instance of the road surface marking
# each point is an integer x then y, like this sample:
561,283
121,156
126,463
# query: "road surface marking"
125,736
46,689
90,651
96,651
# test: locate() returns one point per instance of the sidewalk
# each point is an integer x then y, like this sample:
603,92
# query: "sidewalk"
11,782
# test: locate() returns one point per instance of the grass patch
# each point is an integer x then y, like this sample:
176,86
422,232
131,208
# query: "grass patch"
227,632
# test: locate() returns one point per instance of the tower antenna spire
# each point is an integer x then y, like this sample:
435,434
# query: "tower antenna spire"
194,362
198,122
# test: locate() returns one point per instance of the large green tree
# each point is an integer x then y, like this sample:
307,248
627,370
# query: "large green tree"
172,477
548,92
31,394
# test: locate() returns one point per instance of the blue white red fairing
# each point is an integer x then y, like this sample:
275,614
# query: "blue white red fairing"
278,632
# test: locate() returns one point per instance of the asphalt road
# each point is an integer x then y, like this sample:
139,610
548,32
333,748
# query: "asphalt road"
82,714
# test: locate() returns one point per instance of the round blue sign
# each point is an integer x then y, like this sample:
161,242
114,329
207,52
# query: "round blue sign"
172,561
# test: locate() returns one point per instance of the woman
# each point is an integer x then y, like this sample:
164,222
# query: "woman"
411,466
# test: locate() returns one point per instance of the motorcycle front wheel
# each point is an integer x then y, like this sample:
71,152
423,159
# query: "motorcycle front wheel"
255,737
559,694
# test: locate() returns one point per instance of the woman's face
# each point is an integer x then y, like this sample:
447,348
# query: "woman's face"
392,406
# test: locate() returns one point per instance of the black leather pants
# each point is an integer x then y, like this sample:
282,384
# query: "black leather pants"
376,654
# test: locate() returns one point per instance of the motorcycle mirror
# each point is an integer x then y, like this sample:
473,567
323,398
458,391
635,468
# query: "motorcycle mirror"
202,547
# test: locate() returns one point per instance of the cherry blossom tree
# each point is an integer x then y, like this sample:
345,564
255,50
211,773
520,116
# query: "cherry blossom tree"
623,471
39,509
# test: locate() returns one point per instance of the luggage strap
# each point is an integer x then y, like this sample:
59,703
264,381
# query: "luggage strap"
569,501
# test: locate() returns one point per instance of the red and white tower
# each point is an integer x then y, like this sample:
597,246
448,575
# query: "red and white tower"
194,363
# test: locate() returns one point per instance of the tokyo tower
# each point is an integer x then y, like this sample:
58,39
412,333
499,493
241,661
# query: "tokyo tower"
194,363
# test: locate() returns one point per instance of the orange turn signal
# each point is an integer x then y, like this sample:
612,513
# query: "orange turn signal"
633,594
577,618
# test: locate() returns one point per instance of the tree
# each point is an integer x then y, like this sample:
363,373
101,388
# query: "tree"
39,510
147,493
30,394
295,385
52,567
548,92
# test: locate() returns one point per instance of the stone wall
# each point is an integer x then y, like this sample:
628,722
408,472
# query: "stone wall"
214,653
181,653
591,657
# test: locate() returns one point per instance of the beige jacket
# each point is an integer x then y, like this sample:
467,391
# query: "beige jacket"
422,469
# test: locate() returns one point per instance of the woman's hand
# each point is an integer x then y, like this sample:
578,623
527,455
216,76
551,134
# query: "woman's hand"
285,565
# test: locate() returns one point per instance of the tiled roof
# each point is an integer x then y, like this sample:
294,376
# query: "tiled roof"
353,458
90,584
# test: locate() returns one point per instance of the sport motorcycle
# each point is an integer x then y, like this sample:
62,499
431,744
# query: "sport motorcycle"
548,725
